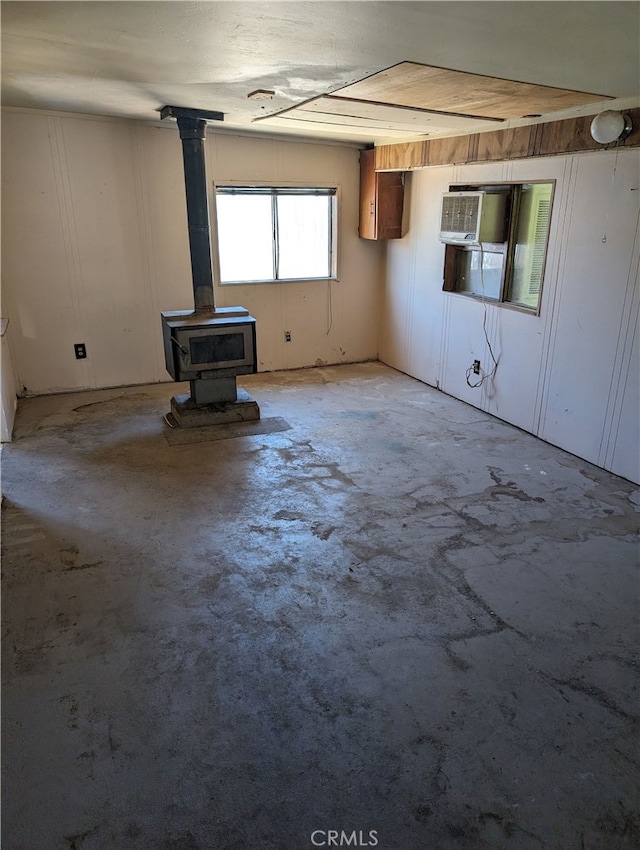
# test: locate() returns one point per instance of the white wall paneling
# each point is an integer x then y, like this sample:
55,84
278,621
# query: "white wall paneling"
412,273
424,355
40,267
95,246
395,307
620,448
623,443
8,385
590,317
568,375
115,285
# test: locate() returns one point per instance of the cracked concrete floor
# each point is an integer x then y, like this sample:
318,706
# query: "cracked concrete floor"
399,618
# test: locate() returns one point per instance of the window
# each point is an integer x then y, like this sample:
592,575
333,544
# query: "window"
509,271
268,233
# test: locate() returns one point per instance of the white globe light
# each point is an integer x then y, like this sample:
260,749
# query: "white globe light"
610,126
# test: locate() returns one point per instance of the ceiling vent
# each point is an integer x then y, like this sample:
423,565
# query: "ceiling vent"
261,94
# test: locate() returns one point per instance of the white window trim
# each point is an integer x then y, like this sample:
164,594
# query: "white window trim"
277,184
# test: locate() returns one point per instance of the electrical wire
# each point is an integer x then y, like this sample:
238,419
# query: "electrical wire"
469,371
610,198
330,307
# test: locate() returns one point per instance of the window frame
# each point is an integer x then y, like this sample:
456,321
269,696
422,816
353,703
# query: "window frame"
454,253
273,188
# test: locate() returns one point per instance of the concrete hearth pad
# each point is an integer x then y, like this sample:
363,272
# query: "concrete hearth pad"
186,414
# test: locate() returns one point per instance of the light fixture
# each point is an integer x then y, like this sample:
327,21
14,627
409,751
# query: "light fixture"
610,126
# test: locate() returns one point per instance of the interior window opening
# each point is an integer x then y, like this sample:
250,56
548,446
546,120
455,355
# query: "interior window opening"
496,240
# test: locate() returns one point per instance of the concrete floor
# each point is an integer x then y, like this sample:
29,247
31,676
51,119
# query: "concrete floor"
399,618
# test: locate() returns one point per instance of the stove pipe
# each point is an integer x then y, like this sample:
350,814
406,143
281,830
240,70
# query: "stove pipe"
192,125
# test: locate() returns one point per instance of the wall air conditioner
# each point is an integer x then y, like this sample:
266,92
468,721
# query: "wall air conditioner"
469,218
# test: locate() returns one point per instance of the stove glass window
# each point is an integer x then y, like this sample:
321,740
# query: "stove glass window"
216,348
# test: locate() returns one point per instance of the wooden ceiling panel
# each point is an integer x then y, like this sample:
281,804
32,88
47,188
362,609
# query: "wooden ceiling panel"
442,90
338,110
356,129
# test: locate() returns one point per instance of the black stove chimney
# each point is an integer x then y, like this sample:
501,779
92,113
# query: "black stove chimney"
192,125
208,347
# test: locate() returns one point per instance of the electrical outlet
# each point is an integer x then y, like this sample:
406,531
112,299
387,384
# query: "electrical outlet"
287,336
476,367
81,350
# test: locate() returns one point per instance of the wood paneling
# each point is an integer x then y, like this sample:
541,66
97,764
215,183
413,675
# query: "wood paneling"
633,139
401,157
453,150
564,136
512,143
450,264
428,87
553,138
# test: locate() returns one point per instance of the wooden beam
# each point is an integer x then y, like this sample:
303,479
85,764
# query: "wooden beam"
455,149
512,143
551,139
567,136
401,157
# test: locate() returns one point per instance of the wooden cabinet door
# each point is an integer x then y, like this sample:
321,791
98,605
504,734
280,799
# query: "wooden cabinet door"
381,200
368,185
390,197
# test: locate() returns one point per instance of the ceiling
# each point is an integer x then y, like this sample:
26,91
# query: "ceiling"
335,68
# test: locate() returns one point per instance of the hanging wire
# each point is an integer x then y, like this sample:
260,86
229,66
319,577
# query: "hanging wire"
610,199
469,371
330,307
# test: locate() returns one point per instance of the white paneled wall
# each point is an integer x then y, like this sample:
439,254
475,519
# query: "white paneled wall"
593,304
569,375
8,386
95,246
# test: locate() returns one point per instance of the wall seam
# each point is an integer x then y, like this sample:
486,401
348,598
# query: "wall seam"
145,232
551,326
68,221
446,313
411,308
624,383
622,360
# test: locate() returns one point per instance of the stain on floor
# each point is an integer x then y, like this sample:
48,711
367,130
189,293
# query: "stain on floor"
383,618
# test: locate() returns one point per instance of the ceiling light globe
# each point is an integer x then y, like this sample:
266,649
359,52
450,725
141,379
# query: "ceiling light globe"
609,126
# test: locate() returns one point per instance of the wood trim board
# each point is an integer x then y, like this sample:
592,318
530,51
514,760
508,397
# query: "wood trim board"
549,139
348,111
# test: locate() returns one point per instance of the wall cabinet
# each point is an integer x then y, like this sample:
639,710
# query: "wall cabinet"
381,200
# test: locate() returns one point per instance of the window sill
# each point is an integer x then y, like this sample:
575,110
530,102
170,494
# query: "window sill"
519,308
279,282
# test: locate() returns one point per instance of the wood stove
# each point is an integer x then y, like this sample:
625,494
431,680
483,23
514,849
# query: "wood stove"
207,346
210,350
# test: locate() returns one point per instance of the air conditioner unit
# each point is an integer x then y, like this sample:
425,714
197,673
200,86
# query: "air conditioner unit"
469,218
